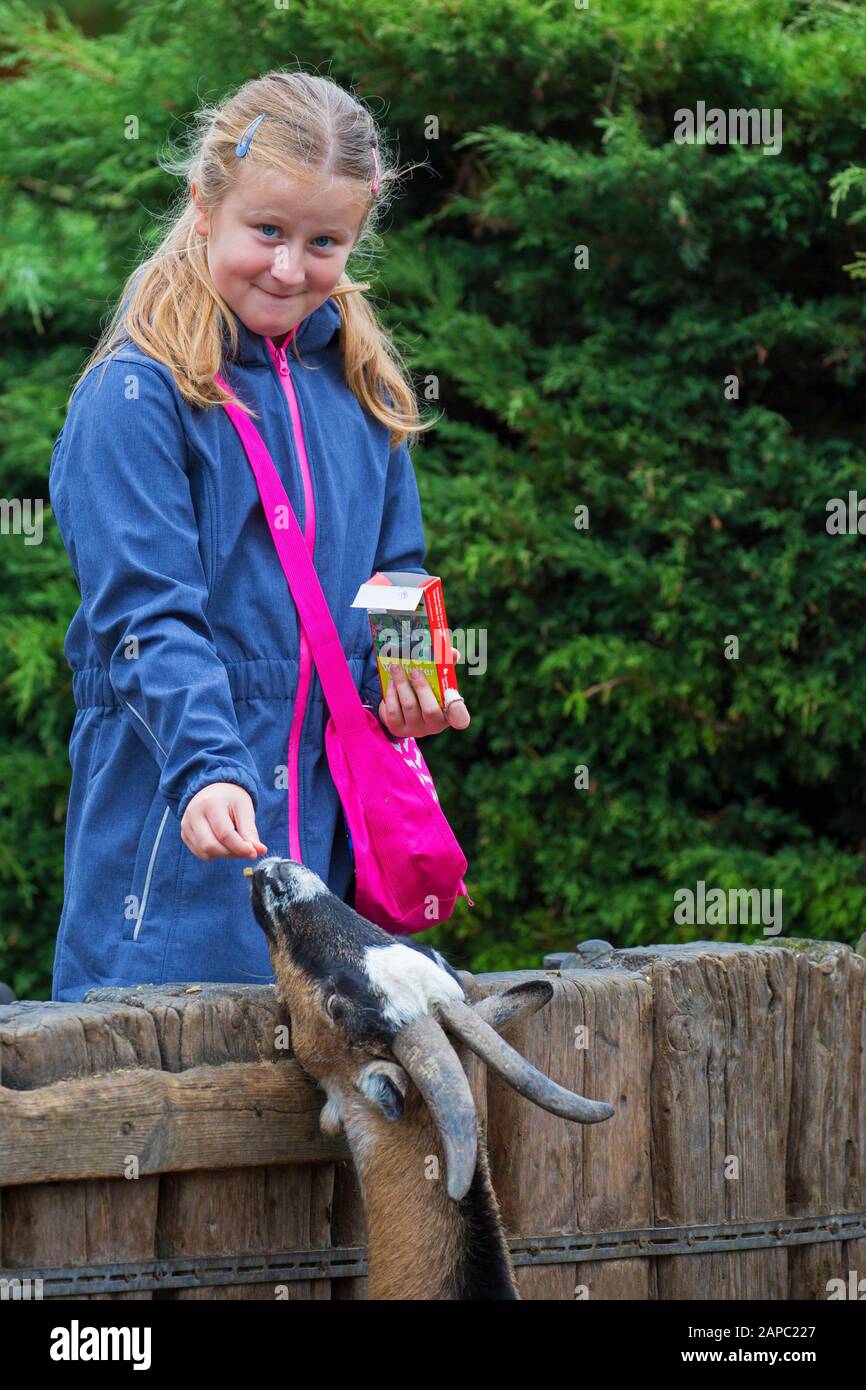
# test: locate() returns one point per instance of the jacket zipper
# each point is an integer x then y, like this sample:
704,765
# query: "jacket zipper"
152,860
147,877
278,357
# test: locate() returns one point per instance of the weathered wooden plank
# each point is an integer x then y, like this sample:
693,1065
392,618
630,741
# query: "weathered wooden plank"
237,1115
554,1177
208,1022
348,1227
723,1043
108,1220
44,1043
738,1075
826,1167
244,1209
855,1250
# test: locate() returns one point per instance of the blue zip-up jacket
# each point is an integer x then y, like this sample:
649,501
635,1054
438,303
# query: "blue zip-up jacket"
188,663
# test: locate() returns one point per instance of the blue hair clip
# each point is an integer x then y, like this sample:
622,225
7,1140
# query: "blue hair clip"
246,136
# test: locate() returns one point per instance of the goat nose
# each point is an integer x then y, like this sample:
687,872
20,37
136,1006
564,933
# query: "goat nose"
295,880
279,870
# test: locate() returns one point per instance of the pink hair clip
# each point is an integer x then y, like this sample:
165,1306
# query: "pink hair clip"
376,176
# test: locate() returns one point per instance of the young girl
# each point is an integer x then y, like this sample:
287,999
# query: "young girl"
198,705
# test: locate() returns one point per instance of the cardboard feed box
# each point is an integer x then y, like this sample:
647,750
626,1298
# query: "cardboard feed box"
409,627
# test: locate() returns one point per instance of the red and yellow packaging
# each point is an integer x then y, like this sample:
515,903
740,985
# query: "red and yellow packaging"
409,627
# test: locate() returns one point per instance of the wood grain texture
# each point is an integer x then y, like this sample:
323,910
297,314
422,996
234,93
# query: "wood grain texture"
826,1161
241,1035
107,1220
737,1073
553,1176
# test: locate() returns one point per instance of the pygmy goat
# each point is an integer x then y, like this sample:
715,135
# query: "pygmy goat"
368,1016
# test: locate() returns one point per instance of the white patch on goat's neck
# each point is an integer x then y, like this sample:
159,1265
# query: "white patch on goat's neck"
410,981
350,1114
331,1114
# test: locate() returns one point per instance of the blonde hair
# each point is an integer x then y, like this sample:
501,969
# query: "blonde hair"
314,131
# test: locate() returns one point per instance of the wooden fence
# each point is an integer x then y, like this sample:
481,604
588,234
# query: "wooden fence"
161,1142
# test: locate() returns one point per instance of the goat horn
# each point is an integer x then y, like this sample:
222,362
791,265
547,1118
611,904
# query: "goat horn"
515,1069
423,1050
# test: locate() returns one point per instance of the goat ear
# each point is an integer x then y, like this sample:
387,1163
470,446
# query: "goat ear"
384,1085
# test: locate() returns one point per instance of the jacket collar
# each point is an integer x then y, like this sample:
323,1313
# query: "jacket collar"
312,334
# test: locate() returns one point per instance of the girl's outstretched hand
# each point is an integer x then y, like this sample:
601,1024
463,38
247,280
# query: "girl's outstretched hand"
221,820
410,709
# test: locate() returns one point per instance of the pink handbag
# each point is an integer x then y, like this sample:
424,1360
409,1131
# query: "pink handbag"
408,865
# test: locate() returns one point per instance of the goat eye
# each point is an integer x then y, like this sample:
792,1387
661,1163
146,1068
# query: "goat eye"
334,1005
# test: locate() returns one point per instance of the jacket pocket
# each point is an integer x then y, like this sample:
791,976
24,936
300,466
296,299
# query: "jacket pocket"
150,868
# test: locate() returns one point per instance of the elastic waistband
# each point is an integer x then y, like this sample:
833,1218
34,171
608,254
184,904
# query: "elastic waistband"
259,679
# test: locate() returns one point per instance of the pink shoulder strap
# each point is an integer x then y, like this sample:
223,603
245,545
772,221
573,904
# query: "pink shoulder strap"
344,702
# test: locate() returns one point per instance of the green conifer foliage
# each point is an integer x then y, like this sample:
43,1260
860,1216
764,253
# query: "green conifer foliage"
648,360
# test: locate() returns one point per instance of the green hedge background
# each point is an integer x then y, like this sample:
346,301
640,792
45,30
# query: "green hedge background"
559,387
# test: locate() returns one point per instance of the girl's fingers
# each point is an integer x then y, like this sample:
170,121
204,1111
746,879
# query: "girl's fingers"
394,703
454,715
411,708
220,821
220,837
455,710
421,709
408,702
244,819
431,712
200,840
